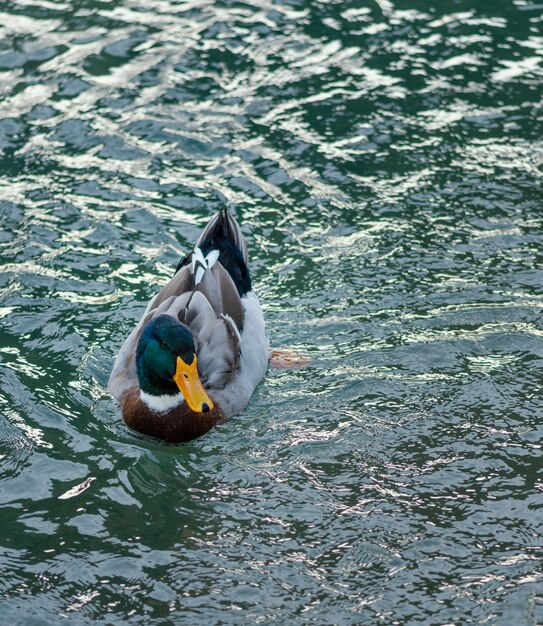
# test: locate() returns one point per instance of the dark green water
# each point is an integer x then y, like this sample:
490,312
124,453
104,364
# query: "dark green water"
385,160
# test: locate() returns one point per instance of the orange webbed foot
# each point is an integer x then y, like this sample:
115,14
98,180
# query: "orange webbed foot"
288,359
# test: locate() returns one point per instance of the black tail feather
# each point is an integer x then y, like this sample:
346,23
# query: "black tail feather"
223,234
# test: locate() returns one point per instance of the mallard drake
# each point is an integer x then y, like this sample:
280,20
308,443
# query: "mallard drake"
200,348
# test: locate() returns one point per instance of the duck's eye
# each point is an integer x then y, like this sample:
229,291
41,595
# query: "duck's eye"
164,345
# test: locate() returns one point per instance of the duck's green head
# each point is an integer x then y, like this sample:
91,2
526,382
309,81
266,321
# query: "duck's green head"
166,363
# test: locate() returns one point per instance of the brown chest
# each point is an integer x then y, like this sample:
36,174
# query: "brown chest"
176,425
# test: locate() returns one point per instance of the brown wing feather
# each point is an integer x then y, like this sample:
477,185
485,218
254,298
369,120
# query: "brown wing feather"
182,282
219,289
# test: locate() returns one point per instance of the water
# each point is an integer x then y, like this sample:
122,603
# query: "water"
385,161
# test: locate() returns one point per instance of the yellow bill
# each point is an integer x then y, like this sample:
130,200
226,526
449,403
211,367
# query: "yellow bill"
187,379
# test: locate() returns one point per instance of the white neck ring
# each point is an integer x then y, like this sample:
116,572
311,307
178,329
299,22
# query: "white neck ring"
161,404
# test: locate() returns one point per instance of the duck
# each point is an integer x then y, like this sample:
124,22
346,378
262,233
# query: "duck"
200,348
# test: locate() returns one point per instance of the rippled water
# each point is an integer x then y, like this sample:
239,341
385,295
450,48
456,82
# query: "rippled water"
385,160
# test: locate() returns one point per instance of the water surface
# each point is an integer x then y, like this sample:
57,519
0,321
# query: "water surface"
385,161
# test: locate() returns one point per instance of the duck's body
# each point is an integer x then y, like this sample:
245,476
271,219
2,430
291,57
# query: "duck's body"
200,348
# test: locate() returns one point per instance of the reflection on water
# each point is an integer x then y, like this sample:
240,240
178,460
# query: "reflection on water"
384,159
